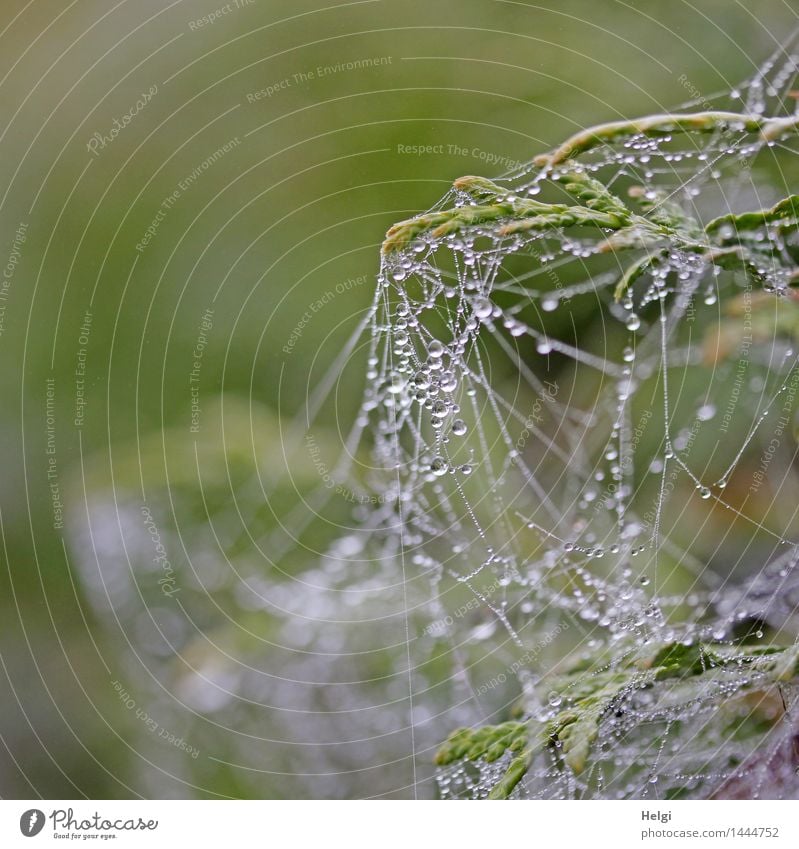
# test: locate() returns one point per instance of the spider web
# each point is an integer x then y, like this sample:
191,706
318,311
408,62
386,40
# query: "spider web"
578,476
549,485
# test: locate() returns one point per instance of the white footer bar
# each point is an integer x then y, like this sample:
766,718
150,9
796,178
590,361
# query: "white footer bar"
385,825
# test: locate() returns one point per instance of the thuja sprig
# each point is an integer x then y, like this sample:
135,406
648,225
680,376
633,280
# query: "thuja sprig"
589,695
785,213
598,207
489,743
593,194
733,242
660,209
659,223
654,126
493,204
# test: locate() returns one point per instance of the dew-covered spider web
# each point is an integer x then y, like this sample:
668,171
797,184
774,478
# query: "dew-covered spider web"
581,415
558,554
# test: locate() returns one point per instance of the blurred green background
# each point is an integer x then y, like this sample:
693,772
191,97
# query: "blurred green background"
273,149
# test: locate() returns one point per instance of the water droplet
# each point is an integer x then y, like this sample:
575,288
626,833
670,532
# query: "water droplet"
439,409
483,307
397,384
421,380
633,322
435,349
447,382
706,412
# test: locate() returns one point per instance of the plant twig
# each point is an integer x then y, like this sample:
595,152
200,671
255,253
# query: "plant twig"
496,204
786,211
662,125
